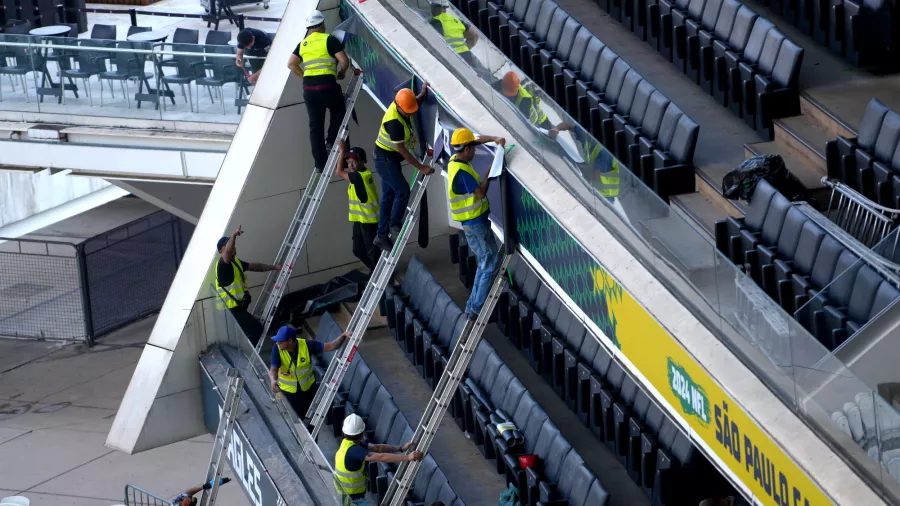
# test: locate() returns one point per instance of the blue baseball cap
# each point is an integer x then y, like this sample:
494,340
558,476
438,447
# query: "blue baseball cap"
285,333
222,242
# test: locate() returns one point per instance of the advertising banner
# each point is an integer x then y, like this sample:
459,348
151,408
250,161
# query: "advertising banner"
713,416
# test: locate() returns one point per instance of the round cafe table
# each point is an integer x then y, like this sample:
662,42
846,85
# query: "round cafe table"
151,36
50,31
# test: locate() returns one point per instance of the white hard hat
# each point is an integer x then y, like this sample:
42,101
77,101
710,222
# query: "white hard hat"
315,18
353,425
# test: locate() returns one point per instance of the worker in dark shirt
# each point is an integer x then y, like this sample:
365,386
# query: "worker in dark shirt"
362,197
396,143
231,284
291,368
459,35
252,42
350,470
320,61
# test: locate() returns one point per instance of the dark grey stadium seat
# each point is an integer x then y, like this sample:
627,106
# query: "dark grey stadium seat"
572,61
882,151
713,63
777,95
614,131
750,55
525,24
857,307
804,259
622,104
609,95
432,325
784,248
673,163
554,48
820,275
689,31
700,49
728,232
628,148
584,72
596,84
839,153
768,235
835,294
590,374
747,72
529,39
675,41
436,345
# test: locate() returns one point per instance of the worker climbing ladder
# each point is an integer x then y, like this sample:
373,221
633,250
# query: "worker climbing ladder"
301,223
365,310
223,436
471,335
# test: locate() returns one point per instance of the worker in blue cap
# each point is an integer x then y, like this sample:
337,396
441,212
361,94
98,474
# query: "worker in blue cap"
291,369
231,284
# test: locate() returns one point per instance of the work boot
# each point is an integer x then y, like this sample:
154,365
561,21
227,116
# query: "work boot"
395,231
384,242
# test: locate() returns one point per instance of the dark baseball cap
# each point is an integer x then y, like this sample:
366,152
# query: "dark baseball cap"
222,242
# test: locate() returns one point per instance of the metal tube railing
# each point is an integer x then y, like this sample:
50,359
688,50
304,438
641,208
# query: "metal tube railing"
136,496
866,221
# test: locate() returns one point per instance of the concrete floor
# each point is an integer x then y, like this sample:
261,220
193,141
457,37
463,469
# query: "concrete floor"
57,403
207,110
398,375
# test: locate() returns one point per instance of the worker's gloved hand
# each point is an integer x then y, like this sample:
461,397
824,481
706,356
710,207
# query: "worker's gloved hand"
224,481
415,456
426,169
340,76
207,486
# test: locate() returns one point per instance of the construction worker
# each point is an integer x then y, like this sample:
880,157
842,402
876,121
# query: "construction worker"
469,206
320,60
291,368
255,43
350,460
231,284
460,36
395,143
528,104
187,498
363,199
600,167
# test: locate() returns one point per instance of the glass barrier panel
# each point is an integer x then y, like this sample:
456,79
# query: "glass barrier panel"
22,67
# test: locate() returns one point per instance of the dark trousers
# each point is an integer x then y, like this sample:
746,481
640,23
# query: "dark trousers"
394,192
318,102
301,401
363,244
248,324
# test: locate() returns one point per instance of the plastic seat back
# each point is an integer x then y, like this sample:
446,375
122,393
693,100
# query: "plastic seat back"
725,20
591,57
771,228
808,247
575,56
616,81
826,260
871,123
656,108
743,25
603,70
684,140
787,65
629,89
756,40
769,54
667,127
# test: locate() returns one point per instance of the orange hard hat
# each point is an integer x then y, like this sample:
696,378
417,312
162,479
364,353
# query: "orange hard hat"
406,101
511,84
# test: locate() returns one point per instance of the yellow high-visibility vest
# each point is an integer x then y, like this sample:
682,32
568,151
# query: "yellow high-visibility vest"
292,373
535,115
233,294
348,481
368,212
609,181
314,53
464,207
384,139
454,31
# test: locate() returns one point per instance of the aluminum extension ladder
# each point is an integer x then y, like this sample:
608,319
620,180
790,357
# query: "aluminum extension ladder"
223,436
359,322
301,223
471,335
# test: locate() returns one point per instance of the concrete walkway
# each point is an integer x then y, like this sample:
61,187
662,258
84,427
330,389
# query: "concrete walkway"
57,403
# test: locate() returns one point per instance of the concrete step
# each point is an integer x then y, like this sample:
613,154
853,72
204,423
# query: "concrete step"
812,109
810,176
702,212
712,190
805,136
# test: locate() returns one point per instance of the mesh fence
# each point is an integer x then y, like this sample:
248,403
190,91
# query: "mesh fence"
128,270
40,291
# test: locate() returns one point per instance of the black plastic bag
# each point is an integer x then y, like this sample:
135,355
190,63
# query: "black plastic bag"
740,182
317,299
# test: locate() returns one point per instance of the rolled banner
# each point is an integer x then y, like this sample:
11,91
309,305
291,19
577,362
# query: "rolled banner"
510,433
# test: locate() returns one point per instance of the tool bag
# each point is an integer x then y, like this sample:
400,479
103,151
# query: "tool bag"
739,183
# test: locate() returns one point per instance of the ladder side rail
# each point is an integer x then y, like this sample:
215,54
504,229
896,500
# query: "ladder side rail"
364,311
472,334
303,222
224,431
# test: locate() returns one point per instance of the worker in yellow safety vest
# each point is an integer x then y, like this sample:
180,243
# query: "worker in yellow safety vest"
291,367
350,460
395,143
363,199
231,284
467,192
524,100
320,60
460,36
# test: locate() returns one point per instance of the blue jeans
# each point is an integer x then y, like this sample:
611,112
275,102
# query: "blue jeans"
362,501
481,241
394,192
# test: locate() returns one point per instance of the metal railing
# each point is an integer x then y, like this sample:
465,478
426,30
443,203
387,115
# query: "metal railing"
865,220
136,496
79,76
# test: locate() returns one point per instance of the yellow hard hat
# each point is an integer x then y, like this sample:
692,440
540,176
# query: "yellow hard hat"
461,137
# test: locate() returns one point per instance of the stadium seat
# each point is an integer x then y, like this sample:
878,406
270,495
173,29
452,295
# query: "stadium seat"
713,61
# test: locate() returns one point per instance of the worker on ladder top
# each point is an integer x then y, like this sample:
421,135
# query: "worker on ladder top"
467,192
231,284
350,470
362,197
459,35
396,143
291,367
319,59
